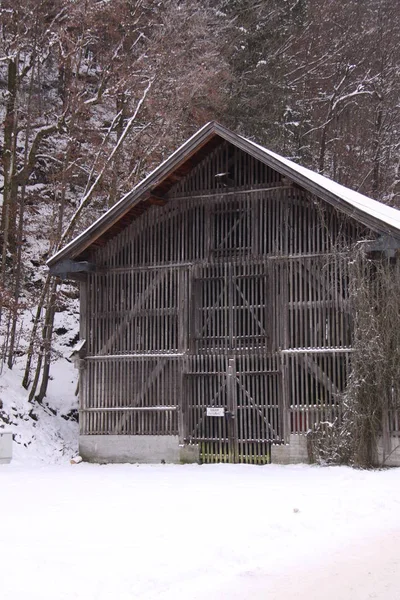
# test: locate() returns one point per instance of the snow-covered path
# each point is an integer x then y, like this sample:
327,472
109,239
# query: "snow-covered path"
198,532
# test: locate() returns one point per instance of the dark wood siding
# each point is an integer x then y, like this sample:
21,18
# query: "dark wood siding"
233,294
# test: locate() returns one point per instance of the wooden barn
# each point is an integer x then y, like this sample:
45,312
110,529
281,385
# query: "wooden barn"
215,322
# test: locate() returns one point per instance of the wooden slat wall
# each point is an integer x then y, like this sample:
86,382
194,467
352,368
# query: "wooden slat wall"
243,172
232,294
126,321
132,395
231,310
236,226
316,379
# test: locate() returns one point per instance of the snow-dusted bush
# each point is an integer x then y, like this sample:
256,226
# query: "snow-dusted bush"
370,404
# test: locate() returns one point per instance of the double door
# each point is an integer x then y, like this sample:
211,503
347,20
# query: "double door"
233,409
232,381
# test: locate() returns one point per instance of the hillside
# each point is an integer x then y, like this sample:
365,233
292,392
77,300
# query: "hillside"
45,432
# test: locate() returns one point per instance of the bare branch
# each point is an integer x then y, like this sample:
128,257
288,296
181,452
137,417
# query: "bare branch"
85,200
23,174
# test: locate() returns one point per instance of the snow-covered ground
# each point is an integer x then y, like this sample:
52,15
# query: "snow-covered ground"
48,431
200,532
167,532
43,433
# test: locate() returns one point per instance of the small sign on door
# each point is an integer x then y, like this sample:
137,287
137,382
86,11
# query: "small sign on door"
215,411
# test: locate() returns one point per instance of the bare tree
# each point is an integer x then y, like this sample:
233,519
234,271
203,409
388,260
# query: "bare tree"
113,92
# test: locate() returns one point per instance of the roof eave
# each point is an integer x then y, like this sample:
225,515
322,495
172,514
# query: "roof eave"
183,153
311,186
103,223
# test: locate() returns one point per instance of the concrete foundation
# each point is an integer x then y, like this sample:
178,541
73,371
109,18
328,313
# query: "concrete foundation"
165,448
392,455
6,440
189,454
134,449
292,453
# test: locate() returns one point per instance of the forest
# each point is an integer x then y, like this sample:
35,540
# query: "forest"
95,93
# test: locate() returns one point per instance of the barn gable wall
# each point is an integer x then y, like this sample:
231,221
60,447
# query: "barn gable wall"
232,295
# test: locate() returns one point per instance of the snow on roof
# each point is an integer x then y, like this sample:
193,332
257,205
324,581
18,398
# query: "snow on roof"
375,209
383,214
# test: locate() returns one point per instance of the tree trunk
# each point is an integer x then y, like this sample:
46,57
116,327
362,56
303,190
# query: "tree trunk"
36,323
8,209
20,229
46,344
376,167
121,108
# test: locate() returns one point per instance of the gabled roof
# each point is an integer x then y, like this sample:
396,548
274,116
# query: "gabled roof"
379,217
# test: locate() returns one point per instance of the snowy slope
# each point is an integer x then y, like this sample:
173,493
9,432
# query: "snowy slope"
45,432
42,433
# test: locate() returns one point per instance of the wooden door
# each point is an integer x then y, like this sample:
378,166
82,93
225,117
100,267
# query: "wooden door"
232,384
233,409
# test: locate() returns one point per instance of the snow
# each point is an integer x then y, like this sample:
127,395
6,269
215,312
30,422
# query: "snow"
382,212
43,433
206,532
114,209
315,350
378,210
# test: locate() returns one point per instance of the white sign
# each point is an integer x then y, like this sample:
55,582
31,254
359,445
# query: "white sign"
215,411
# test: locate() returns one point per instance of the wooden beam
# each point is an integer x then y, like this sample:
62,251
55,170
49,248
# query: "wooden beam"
384,244
69,268
157,200
319,374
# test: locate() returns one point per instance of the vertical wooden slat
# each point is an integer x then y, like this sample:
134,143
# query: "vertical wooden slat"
265,280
